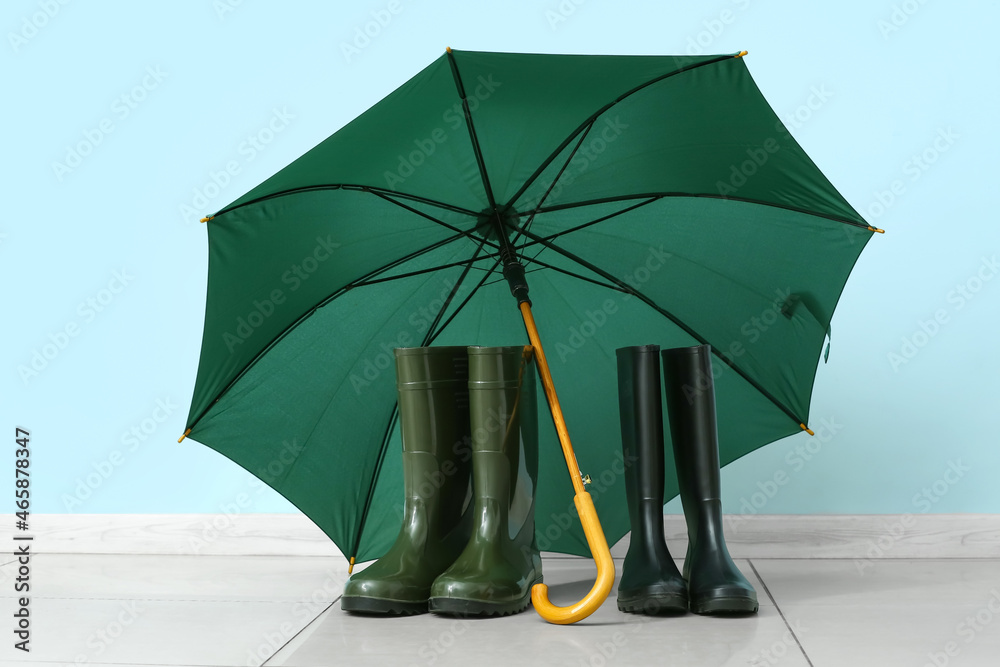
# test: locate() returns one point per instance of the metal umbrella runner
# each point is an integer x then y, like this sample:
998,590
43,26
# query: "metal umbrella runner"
645,198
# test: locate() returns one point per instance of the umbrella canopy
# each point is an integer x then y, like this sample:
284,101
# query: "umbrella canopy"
651,199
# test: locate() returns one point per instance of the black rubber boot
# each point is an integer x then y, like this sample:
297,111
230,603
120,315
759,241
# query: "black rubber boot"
715,584
501,563
434,419
650,583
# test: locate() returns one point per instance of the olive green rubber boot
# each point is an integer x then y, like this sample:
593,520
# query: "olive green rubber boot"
432,383
501,563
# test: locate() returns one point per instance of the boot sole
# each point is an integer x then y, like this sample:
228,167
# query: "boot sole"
471,607
461,607
654,605
726,605
382,607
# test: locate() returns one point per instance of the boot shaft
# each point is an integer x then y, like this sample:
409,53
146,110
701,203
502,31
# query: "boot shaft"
690,396
503,416
432,387
641,411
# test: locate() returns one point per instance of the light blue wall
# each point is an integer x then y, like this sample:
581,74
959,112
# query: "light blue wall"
886,81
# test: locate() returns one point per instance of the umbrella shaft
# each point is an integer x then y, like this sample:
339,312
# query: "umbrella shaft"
550,394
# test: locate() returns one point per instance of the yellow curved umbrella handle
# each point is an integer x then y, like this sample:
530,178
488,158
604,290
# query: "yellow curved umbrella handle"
605,572
584,505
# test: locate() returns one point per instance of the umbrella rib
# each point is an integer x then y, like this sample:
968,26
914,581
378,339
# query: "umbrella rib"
572,153
366,279
371,488
625,287
545,265
341,291
593,118
463,262
451,295
350,187
588,224
476,148
662,195
472,236
459,233
462,305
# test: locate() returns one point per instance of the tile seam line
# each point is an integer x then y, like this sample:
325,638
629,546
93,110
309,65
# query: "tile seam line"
780,613
303,629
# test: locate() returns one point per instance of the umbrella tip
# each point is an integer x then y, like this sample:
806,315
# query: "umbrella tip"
184,436
447,49
206,218
876,230
807,429
741,54
350,567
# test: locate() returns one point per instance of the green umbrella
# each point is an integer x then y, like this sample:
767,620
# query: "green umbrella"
649,199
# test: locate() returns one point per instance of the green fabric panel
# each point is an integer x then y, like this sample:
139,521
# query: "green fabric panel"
727,269
524,105
707,131
271,263
414,141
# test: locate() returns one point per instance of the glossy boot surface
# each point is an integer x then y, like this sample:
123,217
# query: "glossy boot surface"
650,582
432,385
500,563
715,584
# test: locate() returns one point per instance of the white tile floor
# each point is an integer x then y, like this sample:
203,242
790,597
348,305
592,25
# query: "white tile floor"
252,610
